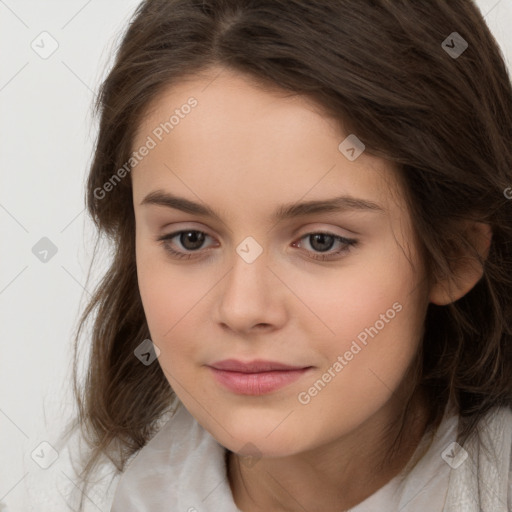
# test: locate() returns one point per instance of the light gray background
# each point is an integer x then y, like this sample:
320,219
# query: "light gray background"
46,140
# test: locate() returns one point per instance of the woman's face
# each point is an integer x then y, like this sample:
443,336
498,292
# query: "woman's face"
251,286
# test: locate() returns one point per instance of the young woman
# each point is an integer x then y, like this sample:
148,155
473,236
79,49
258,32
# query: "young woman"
309,302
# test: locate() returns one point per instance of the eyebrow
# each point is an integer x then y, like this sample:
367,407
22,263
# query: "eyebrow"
283,212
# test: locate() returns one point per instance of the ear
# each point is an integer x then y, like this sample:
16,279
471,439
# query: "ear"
467,270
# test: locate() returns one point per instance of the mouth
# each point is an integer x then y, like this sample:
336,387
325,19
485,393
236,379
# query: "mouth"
256,377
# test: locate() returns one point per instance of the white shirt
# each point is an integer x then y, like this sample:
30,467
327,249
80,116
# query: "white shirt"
183,469
426,486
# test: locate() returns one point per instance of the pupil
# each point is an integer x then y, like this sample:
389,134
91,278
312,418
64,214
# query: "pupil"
195,237
322,237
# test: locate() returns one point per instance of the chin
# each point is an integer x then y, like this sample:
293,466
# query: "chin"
258,438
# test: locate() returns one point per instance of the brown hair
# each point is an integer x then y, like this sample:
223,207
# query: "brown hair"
380,68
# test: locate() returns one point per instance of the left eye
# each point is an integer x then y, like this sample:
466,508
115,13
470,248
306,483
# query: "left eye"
323,242
195,237
192,240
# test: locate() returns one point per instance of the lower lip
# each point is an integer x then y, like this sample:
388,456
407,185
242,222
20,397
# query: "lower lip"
257,383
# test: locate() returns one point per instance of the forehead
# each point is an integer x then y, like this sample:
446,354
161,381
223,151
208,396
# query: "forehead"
250,145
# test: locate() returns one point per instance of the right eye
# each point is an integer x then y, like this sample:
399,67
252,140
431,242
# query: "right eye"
192,238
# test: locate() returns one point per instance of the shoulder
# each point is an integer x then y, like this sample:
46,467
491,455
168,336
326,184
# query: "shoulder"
178,467
484,480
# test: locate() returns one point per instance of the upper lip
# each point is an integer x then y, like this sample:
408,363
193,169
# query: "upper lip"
256,366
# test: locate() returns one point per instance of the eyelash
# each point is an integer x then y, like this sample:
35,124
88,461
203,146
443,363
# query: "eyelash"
349,243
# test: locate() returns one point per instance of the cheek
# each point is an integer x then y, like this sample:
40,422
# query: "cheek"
375,314
166,309
355,302
360,377
173,301
371,357
163,291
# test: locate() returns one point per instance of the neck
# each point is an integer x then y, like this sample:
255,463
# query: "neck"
334,476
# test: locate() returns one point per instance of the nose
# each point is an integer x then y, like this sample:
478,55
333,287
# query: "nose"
251,297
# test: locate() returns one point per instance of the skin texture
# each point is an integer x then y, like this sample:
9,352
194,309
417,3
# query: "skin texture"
244,151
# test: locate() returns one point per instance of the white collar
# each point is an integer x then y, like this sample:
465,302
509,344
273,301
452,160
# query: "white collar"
181,468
